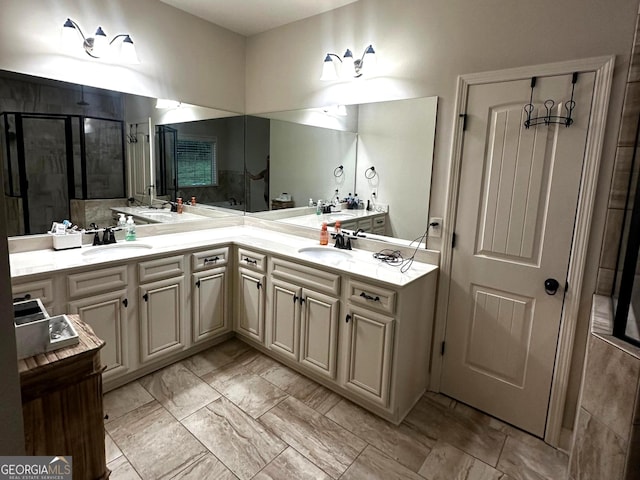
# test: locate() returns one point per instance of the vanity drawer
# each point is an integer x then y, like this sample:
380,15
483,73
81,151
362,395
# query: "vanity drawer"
97,281
365,224
254,261
373,297
42,289
319,280
160,268
380,222
209,259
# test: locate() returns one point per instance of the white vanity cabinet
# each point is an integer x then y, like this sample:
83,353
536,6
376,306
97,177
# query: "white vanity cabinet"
209,294
161,301
43,288
101,299
386,343
251,294
303,316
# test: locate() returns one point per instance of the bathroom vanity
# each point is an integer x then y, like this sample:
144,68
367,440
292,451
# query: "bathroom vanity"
358,326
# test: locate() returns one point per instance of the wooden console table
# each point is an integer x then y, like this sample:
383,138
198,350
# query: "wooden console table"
62,404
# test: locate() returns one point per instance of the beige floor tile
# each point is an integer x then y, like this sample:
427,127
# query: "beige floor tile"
290,464
321,399
372,464
154,442
522,461
206,467
121,469
446,462
216,357
402,443
291,382
325,443
179,390
462,431
236,439
111,450
124,400
252,393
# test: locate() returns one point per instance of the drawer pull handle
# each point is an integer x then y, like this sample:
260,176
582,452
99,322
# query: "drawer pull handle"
211,260
22,299
145,297
125,302
250,261
198,284
369,297
348,318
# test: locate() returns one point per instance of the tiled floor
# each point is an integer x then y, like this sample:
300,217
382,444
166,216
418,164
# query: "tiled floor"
234,413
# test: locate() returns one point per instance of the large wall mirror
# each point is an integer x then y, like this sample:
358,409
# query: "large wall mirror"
70,151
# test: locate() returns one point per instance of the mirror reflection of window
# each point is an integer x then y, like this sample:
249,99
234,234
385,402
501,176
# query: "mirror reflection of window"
197,162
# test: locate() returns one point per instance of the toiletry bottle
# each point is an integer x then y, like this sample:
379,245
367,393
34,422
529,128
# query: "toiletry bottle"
131,229
193,201
319,207
122,222
324,234
337,229
311,202
179,207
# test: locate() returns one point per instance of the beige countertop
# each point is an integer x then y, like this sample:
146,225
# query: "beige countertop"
357,262
344,215
157,215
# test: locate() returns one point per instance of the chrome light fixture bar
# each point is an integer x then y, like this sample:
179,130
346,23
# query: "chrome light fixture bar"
347,67
99,46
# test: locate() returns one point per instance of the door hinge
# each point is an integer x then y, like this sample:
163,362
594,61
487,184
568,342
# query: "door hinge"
442,348
464,121
453,240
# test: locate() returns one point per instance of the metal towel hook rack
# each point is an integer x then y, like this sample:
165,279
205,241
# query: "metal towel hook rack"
548,105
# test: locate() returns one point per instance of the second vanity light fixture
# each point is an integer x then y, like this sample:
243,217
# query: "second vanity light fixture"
346,67
120,48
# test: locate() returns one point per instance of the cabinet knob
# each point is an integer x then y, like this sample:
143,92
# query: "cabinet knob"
22,299
145,297
125,302
302,299
198,284
295,298
348,318
258,285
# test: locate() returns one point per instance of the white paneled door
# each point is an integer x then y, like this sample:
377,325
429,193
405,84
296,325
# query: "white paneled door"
513,233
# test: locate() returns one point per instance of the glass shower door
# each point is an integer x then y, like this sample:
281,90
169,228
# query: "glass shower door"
45,162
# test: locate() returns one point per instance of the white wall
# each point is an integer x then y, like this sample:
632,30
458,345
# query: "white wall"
423,46
397,139
309,156
182,57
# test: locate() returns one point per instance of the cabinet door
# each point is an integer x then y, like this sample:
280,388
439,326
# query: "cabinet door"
319,332
369,354
285,318
209,303
161,306
251,305
107,315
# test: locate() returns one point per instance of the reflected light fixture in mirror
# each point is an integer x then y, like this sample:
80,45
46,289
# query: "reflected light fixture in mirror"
346,67
165,103
119,49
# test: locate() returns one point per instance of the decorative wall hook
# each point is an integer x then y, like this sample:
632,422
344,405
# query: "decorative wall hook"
548,105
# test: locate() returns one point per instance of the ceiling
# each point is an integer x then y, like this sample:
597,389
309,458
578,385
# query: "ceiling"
249,17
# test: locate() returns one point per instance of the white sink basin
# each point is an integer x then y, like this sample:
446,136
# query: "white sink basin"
326,254
334,217
115,250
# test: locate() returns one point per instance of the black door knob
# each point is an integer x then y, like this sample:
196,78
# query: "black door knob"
551,286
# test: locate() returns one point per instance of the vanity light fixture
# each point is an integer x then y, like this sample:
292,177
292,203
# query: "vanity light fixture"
168,104
120,48
347,67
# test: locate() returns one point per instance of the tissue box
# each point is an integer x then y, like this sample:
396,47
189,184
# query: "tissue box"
68,240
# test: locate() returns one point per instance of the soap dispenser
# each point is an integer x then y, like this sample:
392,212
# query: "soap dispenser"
122,222
324,234
131,229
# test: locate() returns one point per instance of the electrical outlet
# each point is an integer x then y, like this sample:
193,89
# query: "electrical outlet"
374,192
435,227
